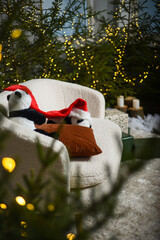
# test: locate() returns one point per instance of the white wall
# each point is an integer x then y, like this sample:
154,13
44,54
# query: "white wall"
101,5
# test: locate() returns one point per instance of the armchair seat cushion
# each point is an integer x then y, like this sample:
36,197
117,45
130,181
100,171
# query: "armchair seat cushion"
96,169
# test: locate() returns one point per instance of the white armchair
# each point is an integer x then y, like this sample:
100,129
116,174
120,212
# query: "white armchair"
55,95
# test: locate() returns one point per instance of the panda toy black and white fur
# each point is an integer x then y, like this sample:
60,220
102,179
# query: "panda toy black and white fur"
75,117
20,112
80,117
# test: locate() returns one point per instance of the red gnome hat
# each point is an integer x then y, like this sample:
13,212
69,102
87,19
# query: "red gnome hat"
79,103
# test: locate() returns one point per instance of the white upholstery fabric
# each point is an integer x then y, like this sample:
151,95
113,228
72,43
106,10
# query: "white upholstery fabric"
3,100
21,145
56,95
93,170
99,190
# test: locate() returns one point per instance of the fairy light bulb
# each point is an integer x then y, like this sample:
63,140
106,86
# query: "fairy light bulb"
23,224
70,236
16,33
51,207
3,206
30,206
20,200
9,164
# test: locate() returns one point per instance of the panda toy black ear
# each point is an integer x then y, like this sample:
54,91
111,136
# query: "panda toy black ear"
8,97
18,94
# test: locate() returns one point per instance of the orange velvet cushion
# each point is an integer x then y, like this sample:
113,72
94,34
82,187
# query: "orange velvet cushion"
79,140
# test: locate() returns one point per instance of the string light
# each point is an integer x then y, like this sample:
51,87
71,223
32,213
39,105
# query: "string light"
9,164
3,206
23,224
70,236
51,207
23,229
30,206
20,200
16,33
84,61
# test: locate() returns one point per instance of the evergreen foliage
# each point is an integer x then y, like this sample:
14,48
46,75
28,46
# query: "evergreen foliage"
37,52
120,57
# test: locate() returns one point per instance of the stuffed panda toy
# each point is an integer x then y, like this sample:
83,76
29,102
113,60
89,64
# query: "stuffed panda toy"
76,117
79,117
23,107
20,112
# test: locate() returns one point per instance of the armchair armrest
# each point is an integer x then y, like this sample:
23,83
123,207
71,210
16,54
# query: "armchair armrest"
21,145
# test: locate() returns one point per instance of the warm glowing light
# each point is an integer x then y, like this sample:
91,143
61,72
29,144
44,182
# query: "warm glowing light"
23,224
8,163
16,33
30,206
23,234
20,200
70,236
0,52
3,206
51,207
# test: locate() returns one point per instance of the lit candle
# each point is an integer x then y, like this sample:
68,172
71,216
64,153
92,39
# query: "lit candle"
136,103
120,101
